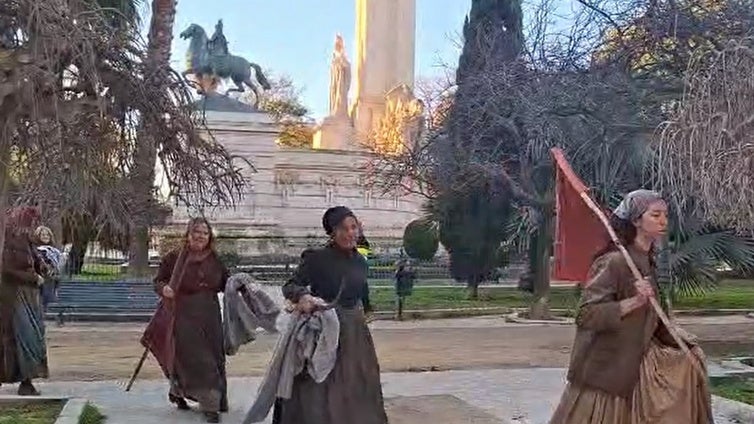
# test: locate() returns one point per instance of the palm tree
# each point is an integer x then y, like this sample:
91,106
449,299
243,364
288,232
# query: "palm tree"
158,64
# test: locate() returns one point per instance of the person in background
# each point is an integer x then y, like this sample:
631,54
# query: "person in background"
362,244
44,241
405,277
23,350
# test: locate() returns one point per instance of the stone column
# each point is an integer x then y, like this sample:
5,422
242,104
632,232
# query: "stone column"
385,50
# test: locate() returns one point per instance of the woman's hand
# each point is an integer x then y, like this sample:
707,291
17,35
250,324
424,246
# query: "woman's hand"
644,288
168,293
305,303
308,303
644,292
40,280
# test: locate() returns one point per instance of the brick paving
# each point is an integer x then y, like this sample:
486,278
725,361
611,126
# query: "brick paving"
514,396
507,389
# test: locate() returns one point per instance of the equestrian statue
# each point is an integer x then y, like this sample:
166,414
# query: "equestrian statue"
210,58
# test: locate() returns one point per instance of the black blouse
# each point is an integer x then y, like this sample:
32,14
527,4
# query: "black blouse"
321,273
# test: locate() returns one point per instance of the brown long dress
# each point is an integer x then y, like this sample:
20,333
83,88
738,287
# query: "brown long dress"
352,392
198,364
628,370
23,351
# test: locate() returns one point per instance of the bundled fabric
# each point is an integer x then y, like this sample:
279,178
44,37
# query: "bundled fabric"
52,257
246,307
309,342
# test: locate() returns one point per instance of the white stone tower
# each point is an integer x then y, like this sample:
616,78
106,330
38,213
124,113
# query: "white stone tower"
384,59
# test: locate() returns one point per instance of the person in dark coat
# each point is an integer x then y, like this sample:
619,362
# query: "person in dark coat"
352,392
23,351
189,280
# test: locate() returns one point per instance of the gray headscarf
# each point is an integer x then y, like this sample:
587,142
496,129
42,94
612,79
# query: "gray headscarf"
635,204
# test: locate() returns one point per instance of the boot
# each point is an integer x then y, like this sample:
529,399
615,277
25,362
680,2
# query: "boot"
27,389
179,402
212,417
224,403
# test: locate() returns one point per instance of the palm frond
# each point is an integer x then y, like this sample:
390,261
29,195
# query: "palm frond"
697,258
519,230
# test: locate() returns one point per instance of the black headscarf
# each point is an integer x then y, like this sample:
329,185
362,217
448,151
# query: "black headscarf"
334,216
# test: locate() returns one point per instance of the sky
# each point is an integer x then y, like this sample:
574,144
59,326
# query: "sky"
295,37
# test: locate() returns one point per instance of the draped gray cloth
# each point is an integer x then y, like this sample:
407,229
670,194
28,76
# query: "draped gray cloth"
310,342
246,307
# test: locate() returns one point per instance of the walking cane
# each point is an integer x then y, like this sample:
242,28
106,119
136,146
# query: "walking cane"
138,369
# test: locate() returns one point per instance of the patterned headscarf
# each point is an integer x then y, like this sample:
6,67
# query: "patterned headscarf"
635,204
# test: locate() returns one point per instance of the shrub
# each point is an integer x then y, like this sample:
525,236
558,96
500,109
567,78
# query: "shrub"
420,239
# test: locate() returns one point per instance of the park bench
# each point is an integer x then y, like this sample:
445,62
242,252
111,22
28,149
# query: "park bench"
126,301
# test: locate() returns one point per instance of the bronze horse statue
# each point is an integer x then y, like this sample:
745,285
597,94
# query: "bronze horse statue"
204,59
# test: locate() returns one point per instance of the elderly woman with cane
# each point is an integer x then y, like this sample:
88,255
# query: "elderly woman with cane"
187,336
626,368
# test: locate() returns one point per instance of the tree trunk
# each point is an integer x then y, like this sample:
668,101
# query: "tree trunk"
4,186
540,307
143,179
52,218
158,63
473,287
77,255
664,278
526,280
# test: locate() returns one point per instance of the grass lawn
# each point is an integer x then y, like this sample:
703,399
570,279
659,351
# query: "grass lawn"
737,294
91,415
32,413
733,294
383,298
423,282
736,388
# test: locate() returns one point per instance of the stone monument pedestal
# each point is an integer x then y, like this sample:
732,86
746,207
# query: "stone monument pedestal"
335,133
289,189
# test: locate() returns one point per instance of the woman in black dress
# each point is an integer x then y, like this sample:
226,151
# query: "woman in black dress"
352,392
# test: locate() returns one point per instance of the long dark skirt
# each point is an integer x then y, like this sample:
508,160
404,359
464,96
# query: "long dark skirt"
199,365
351,394
23,350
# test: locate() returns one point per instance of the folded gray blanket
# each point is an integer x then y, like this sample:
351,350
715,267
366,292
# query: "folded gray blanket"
246,307
310,342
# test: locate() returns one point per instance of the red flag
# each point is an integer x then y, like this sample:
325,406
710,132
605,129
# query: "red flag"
579,234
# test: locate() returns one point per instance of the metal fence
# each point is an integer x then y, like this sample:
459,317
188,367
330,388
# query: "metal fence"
111,265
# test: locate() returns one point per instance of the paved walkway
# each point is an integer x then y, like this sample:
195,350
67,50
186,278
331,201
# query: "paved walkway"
515,396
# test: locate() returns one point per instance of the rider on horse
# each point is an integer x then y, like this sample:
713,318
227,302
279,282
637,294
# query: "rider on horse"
218,44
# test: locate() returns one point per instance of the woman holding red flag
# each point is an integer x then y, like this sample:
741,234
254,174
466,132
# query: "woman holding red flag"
189,280
625,367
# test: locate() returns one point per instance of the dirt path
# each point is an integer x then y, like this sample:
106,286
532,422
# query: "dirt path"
105,351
